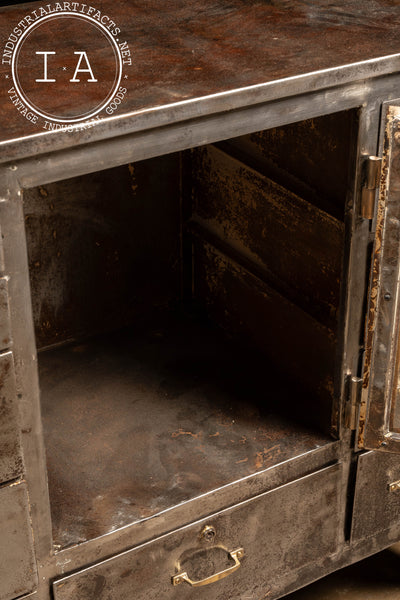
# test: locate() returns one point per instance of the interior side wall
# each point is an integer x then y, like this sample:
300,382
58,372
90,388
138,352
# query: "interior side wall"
267,235
103,248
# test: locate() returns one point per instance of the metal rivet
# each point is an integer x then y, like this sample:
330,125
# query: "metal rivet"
387,296
208,533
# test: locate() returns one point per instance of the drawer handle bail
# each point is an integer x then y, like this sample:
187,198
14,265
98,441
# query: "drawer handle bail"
236,555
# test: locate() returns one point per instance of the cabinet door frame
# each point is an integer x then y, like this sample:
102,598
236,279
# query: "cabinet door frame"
380,392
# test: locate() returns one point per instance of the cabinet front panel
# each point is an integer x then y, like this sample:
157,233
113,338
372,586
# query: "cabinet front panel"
278,532
11,464
5,331
377,498
17,562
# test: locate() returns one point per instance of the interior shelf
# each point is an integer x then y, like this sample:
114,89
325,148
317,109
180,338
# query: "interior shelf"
141,420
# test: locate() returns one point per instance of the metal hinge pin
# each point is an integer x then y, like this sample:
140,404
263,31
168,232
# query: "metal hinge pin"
371,184
354,400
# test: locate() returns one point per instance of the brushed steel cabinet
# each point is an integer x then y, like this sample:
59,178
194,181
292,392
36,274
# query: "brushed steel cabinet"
200,309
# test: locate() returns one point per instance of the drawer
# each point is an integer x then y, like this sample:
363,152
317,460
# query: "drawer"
279,532
11,464
376,507
17,565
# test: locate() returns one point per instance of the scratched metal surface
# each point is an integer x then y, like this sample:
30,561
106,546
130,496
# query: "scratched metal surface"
280,532
189,50
11,461
18,574
135,424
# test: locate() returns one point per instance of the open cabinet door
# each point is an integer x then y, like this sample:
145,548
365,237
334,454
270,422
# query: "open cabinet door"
379,425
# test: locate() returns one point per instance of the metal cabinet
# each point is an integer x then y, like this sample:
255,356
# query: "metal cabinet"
199,307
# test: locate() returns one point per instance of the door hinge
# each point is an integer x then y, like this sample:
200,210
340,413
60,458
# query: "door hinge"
354,387
372,175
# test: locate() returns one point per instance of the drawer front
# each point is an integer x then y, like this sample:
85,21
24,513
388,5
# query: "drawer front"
279,531
376,505
11,464
17,565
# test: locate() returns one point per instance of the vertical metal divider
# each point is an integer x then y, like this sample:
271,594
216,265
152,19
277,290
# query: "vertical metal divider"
355,277
25,358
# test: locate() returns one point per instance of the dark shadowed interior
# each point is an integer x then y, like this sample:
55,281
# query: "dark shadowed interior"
186,312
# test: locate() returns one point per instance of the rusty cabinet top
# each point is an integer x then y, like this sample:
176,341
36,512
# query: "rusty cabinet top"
177,60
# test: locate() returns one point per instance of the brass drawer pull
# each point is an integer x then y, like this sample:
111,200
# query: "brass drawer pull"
235,555
395,486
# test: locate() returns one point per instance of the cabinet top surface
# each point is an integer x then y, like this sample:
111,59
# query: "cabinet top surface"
181,60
